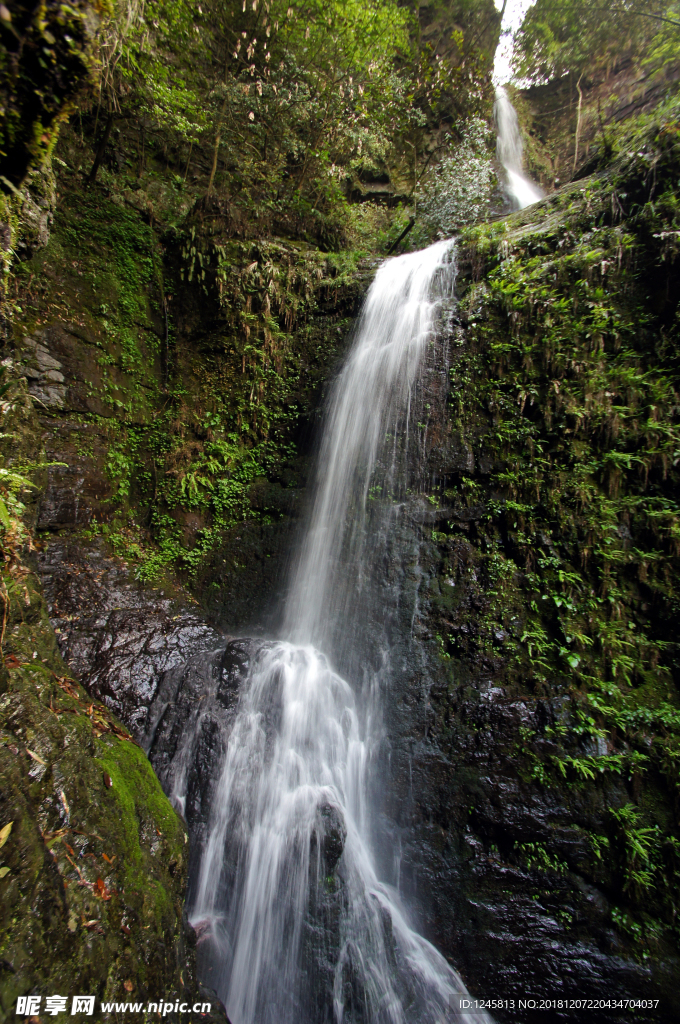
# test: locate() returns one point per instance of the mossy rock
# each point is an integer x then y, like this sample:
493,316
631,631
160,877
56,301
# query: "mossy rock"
92,902
93,869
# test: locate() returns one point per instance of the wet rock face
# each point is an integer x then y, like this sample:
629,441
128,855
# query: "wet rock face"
460,826
188,728
43,371
118,637
331,834
95,862
453,810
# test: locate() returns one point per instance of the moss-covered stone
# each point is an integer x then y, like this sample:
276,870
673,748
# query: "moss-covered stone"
193,360
93,871
92,901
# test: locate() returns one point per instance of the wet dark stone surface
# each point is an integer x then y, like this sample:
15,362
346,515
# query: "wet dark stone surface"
189,720
118,636
332,829
455,808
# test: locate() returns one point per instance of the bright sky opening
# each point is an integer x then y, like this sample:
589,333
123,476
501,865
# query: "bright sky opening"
512,19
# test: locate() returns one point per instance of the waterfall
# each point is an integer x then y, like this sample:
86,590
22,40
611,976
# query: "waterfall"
371,399
295,925
521,189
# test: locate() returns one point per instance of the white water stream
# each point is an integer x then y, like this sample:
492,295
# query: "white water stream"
288,927
521,189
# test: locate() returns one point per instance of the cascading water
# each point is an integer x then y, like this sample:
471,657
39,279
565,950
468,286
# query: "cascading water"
295,925
521,189
369,412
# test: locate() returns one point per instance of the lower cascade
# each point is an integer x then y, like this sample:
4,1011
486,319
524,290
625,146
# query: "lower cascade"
268,751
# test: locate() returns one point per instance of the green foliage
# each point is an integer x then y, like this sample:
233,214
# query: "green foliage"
210,480
459,189
639,846
118,261
573,37
583,426
289,105
537,858
288,92
645,932
147,58
13,486
199,455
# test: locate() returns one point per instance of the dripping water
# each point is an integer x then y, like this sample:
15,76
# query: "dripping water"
521,190
295,923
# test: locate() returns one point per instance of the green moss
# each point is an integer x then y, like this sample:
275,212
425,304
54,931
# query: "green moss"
93,897
139,807
200,371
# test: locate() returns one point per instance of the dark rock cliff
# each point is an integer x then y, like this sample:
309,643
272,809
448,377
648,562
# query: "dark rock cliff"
549,115
533,719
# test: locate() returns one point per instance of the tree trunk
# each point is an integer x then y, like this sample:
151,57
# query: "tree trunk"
186,171
164,347
101,150
578,119
218,139
141,154
402,236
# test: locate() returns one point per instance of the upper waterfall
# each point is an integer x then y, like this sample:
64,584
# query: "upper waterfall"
521,189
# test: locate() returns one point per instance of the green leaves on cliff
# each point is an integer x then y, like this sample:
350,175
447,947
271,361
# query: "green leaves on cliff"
590,457
575,36
288,90
459,189
568,395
